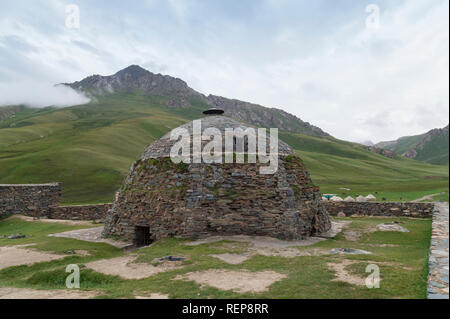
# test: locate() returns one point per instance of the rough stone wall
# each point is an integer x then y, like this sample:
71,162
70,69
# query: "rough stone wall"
32,200
217,199
406,209
81,212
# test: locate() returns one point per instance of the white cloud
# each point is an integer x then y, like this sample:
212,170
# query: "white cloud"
363,84
39,95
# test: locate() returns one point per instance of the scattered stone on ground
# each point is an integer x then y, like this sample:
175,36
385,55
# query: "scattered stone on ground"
438,262
391,227
239,281
343,275
168,261
170,258
91,235
20,255
349,251
57,221
127,269
16,236
77,252
24,293
232,259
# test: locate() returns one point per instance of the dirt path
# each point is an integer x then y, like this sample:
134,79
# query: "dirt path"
426,197
22,293
153,296
267,246
56,221
240,281
20,255
92,235
343,275
127,269
232,259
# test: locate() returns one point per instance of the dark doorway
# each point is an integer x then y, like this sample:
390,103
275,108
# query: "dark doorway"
142,236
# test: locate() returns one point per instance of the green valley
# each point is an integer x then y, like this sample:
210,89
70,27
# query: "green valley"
89,148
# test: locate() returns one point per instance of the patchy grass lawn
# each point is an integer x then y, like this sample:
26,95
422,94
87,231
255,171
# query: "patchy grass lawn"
401,257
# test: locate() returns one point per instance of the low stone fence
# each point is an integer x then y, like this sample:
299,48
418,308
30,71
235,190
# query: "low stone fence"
81,212
31,199
42,200
400,209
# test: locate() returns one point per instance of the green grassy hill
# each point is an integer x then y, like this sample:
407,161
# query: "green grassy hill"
431,147
435,151
89,148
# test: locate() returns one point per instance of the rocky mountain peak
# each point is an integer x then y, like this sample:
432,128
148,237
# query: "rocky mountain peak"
135,71
179,94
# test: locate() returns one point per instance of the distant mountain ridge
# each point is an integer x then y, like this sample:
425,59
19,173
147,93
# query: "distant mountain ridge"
431,147
179,94
90,147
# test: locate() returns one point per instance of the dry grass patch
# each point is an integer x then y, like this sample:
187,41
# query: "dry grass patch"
343,275
23,293
126,268
153,296
239,281
20,255
232,259
56,221
93,235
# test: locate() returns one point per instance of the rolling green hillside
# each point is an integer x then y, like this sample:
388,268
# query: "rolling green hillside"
431,147
89,148
403,144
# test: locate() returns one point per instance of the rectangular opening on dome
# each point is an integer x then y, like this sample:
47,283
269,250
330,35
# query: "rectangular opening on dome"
142,236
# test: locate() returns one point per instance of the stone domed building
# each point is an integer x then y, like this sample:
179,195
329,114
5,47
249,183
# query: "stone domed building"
162,199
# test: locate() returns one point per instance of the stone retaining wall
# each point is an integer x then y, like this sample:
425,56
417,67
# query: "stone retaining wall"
42,200
31,200
82,212
406,209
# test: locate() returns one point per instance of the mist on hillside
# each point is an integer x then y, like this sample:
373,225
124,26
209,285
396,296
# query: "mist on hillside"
37,94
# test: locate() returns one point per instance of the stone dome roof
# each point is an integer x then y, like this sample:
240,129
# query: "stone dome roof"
162,147
161,198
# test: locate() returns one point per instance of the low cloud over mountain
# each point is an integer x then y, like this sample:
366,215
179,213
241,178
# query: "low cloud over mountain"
37,94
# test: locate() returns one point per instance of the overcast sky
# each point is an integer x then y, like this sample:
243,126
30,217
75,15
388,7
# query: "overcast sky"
325,61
